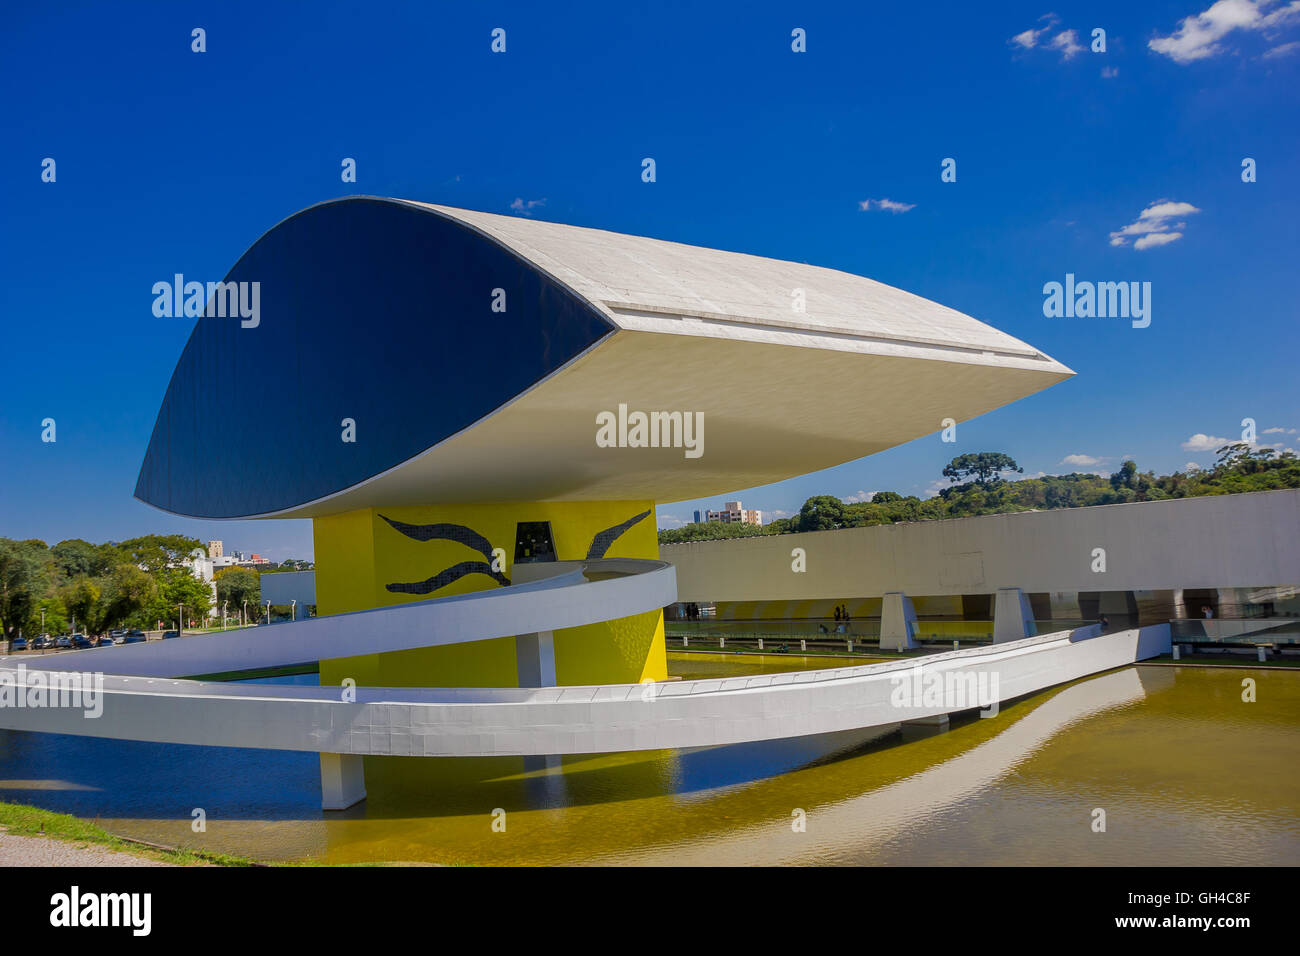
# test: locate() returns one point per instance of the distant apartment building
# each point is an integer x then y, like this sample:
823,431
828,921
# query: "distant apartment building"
215,549
731,513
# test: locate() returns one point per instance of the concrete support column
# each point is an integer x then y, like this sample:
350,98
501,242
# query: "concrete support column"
535,659
342,781
897,623
1065,606
1013,618
1229,603
535,667
1179,610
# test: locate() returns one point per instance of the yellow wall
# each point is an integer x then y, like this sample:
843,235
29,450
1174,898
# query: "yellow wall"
358,553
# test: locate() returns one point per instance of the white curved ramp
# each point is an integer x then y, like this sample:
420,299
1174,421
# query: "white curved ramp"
578,593
451,722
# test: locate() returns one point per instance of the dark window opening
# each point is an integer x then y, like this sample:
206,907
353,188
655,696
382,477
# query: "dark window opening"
533,542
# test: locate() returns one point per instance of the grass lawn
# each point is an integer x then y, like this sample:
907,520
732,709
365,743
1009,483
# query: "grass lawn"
23,820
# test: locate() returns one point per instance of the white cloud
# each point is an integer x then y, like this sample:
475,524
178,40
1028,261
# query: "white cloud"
1197,37
1081,460
1166,210
1155,225
1202,442
886,204
1284,49
670,521
1028,39
859,498
526,206
1191,466
1278,431
1157,239
1109,72
1067,44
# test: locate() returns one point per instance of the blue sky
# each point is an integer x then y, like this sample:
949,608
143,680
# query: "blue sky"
174,161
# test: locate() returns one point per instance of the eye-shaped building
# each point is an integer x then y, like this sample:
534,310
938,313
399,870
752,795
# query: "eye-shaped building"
455,397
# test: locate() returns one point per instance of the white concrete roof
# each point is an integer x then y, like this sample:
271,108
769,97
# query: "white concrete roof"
651,285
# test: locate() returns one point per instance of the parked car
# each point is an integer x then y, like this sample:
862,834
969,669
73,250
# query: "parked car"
81,641
63,641
135,632
105,641
19,644
167,634
135,637
118,635
42,642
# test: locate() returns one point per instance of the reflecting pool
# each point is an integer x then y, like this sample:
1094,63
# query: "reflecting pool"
1185,771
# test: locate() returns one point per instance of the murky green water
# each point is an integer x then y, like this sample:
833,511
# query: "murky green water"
1184,770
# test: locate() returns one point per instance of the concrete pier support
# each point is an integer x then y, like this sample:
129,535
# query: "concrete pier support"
1013,618
897,623
535,667
535,659
342,781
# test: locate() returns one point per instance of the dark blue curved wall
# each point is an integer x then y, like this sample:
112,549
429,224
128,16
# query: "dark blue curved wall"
370,310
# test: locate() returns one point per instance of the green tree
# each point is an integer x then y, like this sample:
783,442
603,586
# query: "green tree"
55,619
25,577
178,586
126,591
81,597
1126,477
984,468
821,513
237,585
156,552
76,558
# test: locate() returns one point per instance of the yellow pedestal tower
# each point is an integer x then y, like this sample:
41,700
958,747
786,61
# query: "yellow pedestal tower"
378,557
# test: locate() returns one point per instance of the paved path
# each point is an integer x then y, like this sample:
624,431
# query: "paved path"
46,851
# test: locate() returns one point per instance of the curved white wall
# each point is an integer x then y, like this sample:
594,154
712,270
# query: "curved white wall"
1211,542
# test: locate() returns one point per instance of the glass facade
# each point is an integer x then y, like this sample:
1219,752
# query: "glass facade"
371,311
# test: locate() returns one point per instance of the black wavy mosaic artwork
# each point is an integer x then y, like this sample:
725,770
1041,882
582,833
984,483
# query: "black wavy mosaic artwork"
446,532
600,544
603,539
443,578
